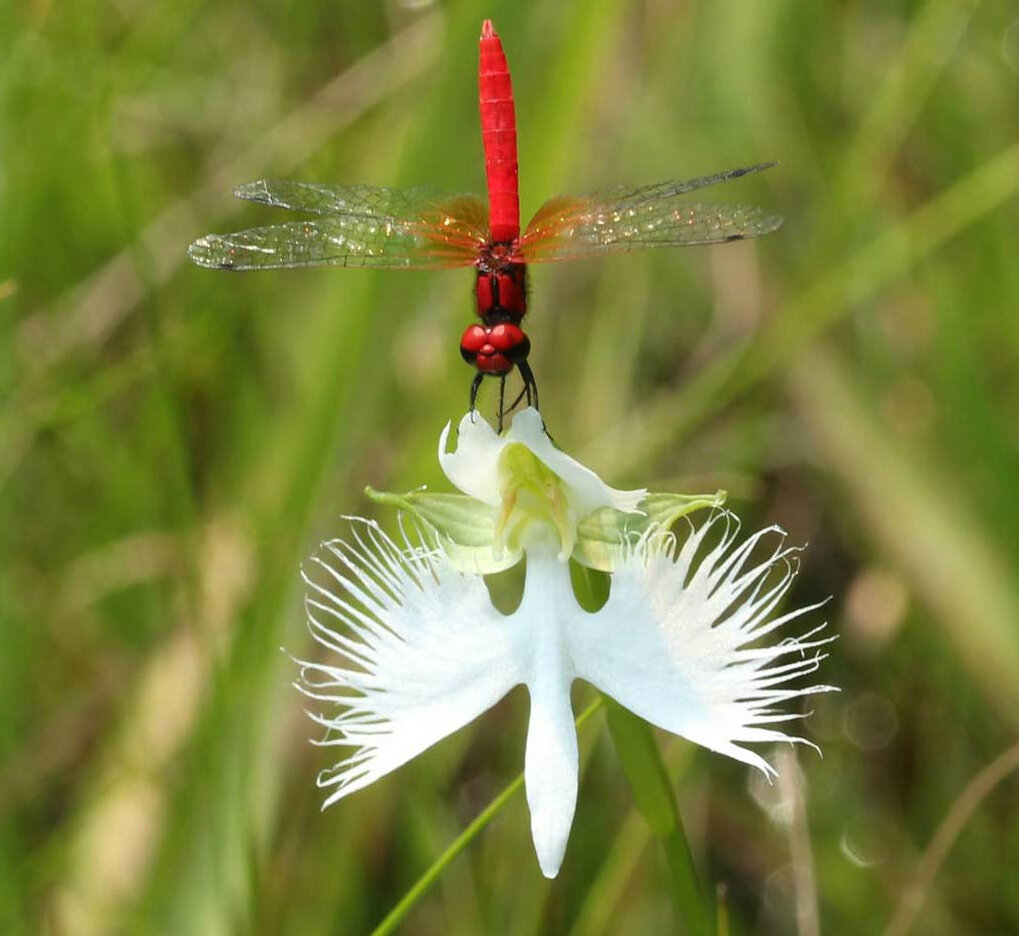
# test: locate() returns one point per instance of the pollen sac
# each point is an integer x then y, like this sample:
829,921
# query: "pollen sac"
495,349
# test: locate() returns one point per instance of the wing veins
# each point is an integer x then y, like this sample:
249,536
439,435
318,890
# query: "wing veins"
359,225
324,243
689,225
566,211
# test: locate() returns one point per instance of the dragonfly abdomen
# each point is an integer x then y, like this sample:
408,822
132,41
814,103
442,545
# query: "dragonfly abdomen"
499,136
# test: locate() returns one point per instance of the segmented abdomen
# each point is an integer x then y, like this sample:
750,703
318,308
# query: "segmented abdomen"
499,135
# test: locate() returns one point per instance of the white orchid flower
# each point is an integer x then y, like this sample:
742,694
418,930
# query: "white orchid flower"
422,651
527,478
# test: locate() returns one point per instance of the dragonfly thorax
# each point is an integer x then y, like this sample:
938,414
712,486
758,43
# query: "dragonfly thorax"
501,291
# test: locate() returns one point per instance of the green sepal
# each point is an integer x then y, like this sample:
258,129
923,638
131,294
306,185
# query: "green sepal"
464,526
602,535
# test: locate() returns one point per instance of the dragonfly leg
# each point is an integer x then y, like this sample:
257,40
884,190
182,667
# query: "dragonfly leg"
475,386
530,386
531,389
516,402
502,402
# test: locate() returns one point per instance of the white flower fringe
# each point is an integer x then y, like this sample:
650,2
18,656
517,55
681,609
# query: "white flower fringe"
422,652
677,640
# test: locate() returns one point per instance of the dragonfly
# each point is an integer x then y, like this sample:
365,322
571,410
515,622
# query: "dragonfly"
423,229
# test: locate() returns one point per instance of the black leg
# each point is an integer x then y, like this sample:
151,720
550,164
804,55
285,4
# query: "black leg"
530,386
516,402
502,401
475,386
531,389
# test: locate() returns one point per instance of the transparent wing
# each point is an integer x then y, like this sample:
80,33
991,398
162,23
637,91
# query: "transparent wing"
621,218
357,226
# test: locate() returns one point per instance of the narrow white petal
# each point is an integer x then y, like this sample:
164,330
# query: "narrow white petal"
473,467
547,610
419,651
550,771
671,643
587,491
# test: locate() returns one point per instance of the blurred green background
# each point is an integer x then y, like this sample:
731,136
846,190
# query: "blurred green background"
173,442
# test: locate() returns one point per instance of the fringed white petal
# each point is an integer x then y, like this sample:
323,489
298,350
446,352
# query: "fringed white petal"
676,641
421,650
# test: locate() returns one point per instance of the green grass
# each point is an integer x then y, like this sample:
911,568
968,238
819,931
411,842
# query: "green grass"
174,442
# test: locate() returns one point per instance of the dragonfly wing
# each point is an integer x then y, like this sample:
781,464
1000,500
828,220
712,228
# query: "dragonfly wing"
657,191
620,219
311,196
357,226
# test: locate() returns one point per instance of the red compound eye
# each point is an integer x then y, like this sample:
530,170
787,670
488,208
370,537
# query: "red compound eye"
505,336
496,350
474,339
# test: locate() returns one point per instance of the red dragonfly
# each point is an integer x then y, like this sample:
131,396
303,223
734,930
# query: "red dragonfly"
365,226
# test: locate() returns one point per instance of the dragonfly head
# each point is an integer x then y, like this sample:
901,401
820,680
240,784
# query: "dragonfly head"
495,350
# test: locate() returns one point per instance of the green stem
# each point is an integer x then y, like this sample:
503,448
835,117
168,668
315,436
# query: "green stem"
652,792
423,883
686,889
721,912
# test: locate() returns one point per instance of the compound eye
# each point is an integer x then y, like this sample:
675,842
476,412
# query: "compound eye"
474,339
510,340
506,335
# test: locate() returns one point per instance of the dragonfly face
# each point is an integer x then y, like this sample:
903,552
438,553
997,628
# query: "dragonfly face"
495,349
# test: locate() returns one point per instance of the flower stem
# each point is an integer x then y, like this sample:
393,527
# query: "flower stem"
721,911
652,792
432,874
